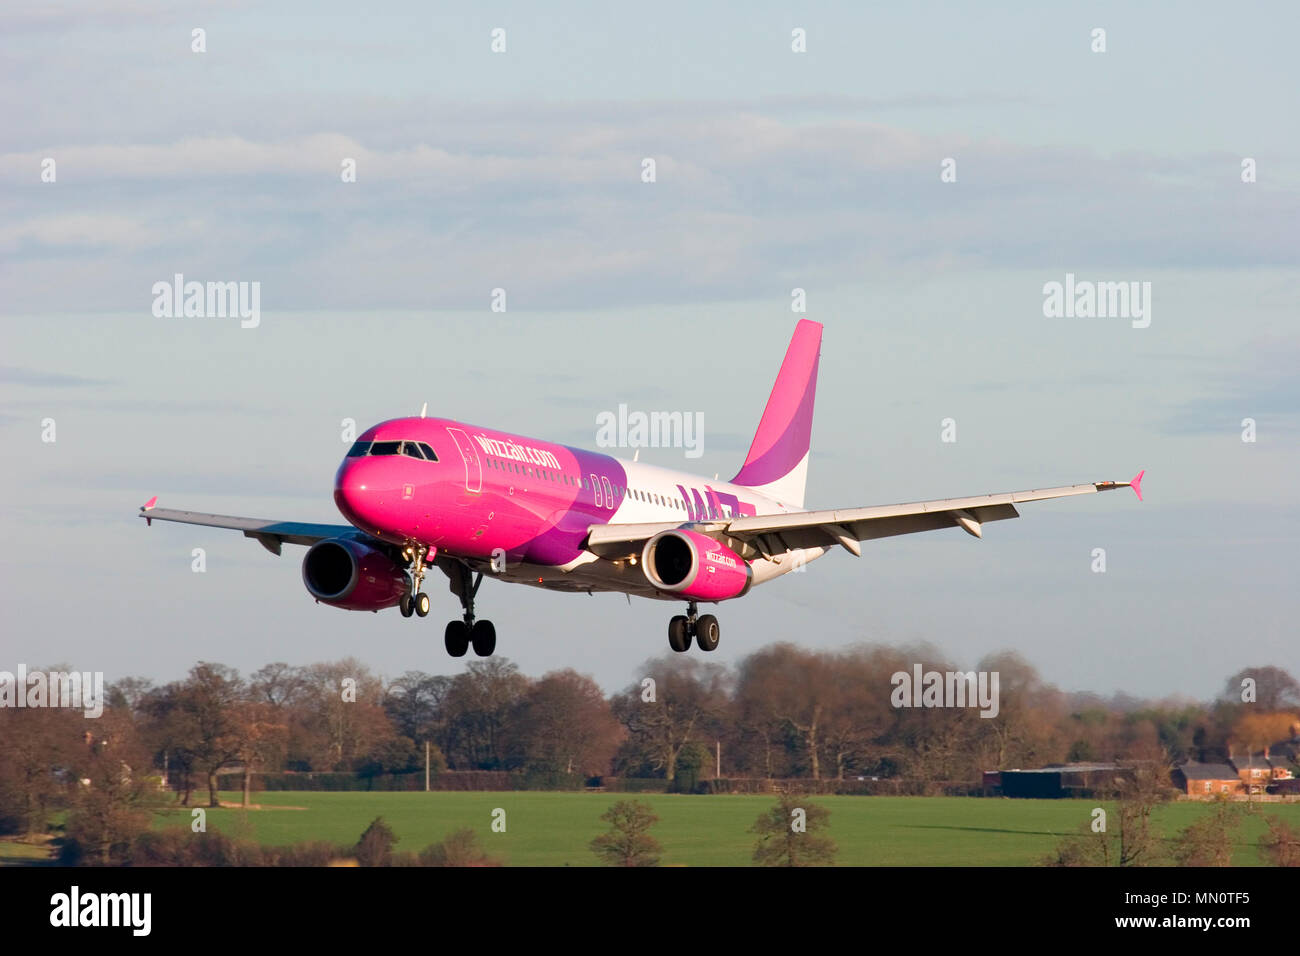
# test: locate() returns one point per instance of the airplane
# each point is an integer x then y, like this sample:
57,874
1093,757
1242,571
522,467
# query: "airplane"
423,493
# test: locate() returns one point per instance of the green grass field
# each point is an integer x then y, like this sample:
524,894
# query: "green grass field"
553,829
23,854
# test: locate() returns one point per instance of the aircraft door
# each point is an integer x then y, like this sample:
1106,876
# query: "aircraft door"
469,455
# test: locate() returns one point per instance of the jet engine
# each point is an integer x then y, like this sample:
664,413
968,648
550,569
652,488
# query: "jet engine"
694,566
347,573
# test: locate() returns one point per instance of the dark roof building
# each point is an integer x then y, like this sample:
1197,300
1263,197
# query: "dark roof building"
1063,780
1208,771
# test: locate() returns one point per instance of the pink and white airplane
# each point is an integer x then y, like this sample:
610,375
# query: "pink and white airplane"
424,492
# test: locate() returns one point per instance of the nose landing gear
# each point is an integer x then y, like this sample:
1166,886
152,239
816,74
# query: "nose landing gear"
419,604
416,602
703,629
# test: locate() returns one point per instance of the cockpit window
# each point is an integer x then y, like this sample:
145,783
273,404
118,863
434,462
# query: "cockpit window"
411,449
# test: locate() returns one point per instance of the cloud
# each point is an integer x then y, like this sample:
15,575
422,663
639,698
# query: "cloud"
23,16
12,375
548,202
78,231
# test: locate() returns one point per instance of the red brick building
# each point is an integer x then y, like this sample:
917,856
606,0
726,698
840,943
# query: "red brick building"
1208,779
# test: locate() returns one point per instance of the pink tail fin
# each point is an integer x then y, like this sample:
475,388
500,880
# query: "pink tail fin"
777,463
1136,483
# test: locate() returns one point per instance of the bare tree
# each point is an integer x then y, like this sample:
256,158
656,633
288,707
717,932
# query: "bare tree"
795,687
565,724
40,750
261,731
1208,841
688,696
192,723
1275,688
479,705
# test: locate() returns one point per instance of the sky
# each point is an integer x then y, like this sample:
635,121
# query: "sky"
774,170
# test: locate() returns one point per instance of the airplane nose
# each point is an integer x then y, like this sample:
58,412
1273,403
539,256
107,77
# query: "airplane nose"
350,491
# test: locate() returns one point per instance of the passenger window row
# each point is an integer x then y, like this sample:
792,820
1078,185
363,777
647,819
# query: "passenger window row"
619,492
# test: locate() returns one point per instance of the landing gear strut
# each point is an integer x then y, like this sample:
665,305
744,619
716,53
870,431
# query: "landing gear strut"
417,602
683,627
463,633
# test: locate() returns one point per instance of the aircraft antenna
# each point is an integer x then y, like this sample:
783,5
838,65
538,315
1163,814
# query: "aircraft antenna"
424,409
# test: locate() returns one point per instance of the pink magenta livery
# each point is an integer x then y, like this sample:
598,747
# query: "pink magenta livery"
472,502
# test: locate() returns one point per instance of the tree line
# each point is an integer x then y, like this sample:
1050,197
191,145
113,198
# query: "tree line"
782,712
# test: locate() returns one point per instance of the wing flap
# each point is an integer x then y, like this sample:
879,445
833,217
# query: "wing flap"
855,516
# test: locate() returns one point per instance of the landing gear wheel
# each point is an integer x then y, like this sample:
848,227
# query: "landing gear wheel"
457,638
484,638
406,606
679,634
422,604
460,634
707,632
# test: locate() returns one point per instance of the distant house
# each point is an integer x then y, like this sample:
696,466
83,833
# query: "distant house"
1282,757
1207,779
1255,770
1286,752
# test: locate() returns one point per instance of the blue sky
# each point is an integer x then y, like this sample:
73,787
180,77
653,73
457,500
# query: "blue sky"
775,170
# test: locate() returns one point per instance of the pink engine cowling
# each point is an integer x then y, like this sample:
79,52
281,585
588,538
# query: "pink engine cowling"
694,566
346,573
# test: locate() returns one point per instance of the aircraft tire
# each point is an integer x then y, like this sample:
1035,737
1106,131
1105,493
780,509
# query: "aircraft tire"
456,638
484,638
707,632
679,634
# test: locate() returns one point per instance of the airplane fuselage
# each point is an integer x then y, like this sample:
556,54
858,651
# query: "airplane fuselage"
522,501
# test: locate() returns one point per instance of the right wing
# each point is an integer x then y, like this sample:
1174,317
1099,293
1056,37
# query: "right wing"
270,534
772,534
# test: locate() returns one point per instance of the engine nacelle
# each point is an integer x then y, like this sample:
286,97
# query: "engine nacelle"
694,566
347,573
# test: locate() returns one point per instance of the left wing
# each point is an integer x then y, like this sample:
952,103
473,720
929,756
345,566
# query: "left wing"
768,535
269,533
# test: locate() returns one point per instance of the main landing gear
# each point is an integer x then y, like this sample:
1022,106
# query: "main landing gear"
704,629
462,634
